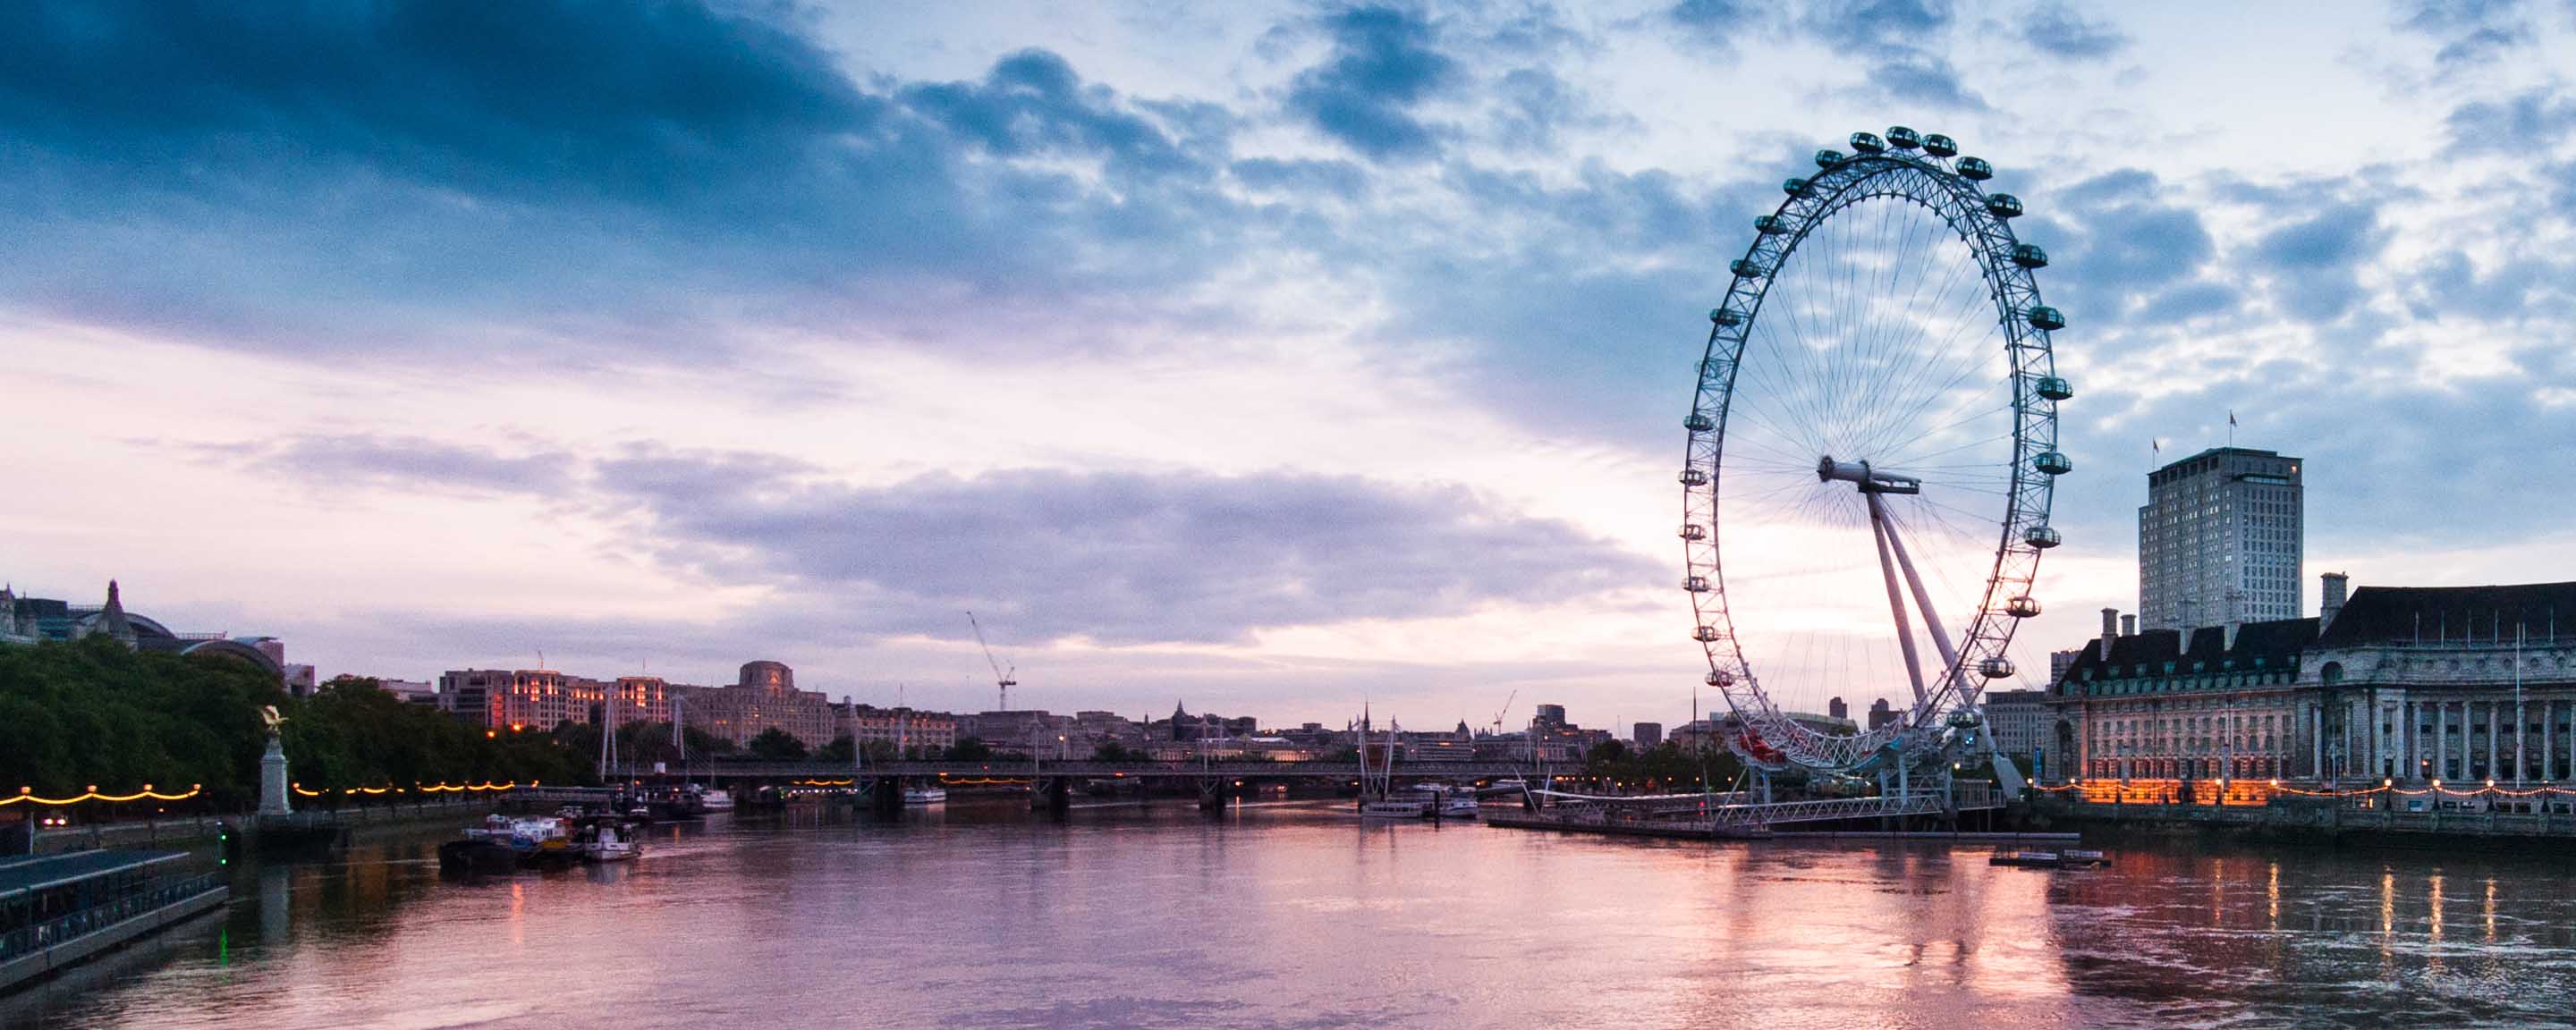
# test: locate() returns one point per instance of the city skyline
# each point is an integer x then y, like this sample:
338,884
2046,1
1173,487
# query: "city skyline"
1348,363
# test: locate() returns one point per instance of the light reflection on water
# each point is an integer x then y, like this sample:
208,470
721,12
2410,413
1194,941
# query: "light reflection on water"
1303,917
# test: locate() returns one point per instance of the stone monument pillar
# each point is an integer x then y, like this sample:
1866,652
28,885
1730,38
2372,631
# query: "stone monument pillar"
273,799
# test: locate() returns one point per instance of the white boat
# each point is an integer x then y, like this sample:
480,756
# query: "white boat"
1458,805
1394,809
607,845
924,795
716,801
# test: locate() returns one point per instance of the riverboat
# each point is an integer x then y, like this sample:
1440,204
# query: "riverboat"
59,910
1393,808
606,842
924,795
716,801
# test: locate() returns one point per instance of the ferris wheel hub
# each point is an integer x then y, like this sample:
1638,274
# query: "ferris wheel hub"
1869,480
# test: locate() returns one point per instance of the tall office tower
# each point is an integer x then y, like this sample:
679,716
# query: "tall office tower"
2219,540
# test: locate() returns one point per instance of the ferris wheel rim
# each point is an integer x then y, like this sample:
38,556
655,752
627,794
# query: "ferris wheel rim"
1947,186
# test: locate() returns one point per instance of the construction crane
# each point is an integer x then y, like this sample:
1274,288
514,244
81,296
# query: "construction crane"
1507,710
1001,676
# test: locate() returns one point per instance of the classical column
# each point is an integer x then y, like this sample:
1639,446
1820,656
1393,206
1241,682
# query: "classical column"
2441,740
2406,734
2521,740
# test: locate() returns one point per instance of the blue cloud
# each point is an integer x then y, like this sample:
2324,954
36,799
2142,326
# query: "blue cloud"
2469,30
2118,238
2057,30
1858,24
1383,65
2515,124
333,178
1117,557
2313,263
1921,80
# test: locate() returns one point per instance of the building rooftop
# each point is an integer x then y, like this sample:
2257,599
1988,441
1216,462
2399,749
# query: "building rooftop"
2453,615
23,874
2273,644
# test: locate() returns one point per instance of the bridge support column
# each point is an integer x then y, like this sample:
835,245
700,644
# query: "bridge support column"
1053,794
882,796
1212,795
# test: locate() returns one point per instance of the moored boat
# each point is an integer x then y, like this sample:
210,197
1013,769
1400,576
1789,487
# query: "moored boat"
924,795
605,842
1394,808
2027,859
716,801
474,855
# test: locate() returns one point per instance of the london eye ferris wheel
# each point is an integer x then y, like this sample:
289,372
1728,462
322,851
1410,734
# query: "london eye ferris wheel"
1872,455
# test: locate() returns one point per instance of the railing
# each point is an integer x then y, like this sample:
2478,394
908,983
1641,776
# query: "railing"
27,940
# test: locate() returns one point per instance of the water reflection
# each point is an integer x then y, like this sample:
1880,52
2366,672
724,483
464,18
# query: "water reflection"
1152,916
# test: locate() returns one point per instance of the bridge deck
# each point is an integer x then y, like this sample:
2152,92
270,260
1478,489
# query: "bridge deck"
1022,769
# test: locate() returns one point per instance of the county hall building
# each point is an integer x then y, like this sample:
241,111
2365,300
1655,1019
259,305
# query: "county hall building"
2408,684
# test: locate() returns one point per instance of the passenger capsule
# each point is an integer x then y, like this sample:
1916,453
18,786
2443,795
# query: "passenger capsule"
1770,225
1903,138
2003,205
2055,389
1721,678
1746,268
1867,143
1995,668
1699,423
2022,607
2048,318
1694,531
2028,255
1705,635
2042,537
1828,158
1694,477
1793,184
1939,145
2050,462
1976,168
1726,317
1695,584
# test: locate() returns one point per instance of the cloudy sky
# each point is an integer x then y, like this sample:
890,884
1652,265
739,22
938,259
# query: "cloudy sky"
1268,357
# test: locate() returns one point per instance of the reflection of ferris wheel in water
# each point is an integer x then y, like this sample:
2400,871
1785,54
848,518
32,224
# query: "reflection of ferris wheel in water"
1872,452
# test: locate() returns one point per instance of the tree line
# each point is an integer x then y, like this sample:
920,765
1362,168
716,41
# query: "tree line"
96,712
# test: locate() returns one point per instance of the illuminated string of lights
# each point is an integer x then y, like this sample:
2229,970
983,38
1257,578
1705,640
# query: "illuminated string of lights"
2162,791
825,783
27,795
425,788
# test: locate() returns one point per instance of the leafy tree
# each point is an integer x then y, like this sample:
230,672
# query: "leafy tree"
1113,751
840,751
777,745
969,749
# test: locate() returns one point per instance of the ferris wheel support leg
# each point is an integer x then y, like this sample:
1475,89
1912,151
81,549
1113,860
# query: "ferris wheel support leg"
1880,529
1923,602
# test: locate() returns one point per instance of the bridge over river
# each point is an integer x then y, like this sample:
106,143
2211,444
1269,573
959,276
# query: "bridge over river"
1050,781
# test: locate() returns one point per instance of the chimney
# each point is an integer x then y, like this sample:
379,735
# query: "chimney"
2128,625
2110,630
2333,601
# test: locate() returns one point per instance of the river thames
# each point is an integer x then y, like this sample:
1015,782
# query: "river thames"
1298,915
